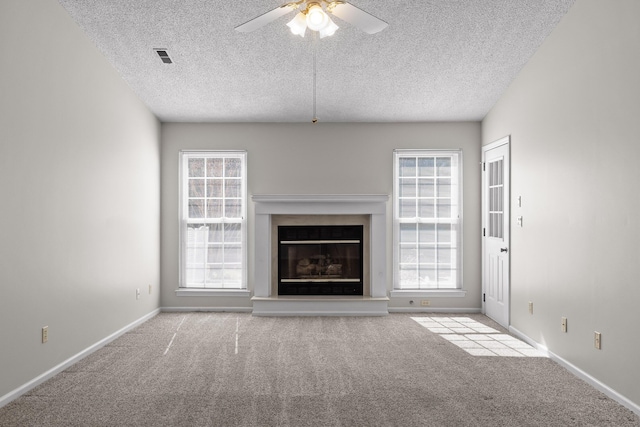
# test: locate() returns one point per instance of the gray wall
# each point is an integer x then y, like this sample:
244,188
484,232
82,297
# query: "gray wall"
79,191
319,159
574,117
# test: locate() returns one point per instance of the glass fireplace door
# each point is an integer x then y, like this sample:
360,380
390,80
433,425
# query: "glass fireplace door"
320,260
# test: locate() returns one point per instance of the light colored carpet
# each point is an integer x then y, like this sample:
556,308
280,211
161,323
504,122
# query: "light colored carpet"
228,369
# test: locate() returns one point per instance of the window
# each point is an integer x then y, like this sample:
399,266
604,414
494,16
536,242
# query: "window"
496,198
427,219
212,219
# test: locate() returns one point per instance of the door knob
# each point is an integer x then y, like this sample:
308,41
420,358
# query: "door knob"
504,250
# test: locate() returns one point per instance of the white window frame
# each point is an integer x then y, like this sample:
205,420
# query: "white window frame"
184,288
436,289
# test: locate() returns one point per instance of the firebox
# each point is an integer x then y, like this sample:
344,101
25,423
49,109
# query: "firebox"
320,260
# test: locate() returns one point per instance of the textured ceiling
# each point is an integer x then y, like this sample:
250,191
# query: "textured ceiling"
439,60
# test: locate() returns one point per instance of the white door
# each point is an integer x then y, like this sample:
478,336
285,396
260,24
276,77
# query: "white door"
495,230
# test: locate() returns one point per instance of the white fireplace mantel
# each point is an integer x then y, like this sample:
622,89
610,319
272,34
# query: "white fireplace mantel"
267,205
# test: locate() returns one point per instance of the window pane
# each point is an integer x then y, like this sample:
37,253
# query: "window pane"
214,208
426,208
407,233
196,242
214,167
196,188
214,277
408,254
407,187
426,188
232,253
428,278
215,233
444,234
446,278
407,208
444,187
196,167
232,233
407,166
427,233
232,188
232,208
214,255
445,256
409,277
214,188
196,208
444,208
443,165
425,166
427,255
195,276
232,167
232,276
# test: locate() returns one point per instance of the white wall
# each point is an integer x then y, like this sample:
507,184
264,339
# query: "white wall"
574,117
319,159
79,194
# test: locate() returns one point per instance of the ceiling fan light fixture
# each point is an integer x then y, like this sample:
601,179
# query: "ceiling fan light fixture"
329,30
298,24
317,19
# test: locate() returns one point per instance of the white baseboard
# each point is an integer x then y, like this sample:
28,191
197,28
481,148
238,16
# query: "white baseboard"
579,372
14,394
212,309
434,310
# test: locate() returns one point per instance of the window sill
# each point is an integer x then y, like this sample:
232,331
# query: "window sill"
200,292
433,293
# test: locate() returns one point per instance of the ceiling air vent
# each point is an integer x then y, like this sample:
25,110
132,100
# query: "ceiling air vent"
162,53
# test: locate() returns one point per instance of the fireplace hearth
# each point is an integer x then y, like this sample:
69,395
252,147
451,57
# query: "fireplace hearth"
320,260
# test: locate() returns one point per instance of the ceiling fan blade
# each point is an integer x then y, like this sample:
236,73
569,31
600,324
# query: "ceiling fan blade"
358,17
265,18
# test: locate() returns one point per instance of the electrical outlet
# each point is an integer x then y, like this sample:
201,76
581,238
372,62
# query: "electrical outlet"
598,340
530,307
425,303
138,293
45,334
564,324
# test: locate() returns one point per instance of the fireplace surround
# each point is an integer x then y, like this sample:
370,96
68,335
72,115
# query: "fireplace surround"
273,211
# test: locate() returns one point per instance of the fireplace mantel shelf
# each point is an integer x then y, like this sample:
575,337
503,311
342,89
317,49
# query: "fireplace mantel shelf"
319,198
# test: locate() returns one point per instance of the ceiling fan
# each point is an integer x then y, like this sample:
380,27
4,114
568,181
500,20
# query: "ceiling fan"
314,15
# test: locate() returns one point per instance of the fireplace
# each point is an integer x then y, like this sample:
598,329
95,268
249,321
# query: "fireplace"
366,297
320,260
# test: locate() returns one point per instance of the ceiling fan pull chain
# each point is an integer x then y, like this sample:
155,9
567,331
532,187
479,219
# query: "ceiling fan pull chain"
315,119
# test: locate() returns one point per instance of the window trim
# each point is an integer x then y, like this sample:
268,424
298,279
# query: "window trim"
459,290
184,290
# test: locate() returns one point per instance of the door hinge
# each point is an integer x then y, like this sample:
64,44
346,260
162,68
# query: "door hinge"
484,164
484,232
484,297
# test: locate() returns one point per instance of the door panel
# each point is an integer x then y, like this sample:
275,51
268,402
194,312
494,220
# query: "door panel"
495,223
